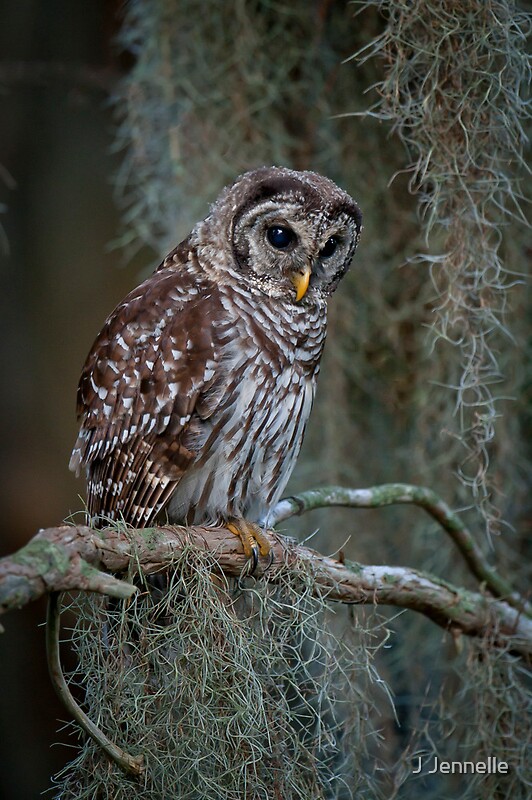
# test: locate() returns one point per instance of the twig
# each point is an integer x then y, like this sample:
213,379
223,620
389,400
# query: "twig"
131,764
388,494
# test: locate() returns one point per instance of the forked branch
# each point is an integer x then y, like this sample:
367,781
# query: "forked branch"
403,493
80,558
68,557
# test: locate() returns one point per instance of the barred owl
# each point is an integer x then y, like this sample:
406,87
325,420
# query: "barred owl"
195,396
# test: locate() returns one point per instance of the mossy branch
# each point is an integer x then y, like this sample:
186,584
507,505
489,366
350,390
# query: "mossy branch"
74,557
391,493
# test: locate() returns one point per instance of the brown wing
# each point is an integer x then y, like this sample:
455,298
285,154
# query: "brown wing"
140,384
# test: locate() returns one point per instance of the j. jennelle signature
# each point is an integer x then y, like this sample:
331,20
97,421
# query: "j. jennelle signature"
489,767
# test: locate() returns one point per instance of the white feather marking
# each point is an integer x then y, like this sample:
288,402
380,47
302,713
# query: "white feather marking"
286,378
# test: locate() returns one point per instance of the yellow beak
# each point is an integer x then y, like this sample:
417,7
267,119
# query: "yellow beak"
301,282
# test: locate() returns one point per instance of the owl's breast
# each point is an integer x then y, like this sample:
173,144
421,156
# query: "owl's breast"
279,335
251,431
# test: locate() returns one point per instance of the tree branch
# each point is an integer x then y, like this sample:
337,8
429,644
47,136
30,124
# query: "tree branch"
391,493
67,558
133,765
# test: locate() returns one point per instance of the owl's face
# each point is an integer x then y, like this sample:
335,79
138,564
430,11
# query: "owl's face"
290,234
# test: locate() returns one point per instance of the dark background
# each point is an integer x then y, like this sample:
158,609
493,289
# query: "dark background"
59,280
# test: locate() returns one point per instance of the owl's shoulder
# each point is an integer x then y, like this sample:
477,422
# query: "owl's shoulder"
155,352
177,288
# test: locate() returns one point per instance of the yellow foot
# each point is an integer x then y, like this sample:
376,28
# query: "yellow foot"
252,538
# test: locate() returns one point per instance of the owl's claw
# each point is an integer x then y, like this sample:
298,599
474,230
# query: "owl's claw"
253,559
254,542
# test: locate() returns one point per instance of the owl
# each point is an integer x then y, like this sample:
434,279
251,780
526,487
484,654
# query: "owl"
194,398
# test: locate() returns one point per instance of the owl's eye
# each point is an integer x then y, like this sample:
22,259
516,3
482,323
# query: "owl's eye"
280,237
329,247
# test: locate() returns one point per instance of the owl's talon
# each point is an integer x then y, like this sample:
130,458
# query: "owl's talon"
253,559
254,542
270,561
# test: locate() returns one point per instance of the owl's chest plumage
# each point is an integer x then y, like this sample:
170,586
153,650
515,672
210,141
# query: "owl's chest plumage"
248,429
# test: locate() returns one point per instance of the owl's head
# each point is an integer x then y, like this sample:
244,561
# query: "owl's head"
290,234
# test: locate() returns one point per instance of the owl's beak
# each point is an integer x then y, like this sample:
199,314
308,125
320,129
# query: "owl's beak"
301,281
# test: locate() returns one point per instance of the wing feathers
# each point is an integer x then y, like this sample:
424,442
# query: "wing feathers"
146,373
